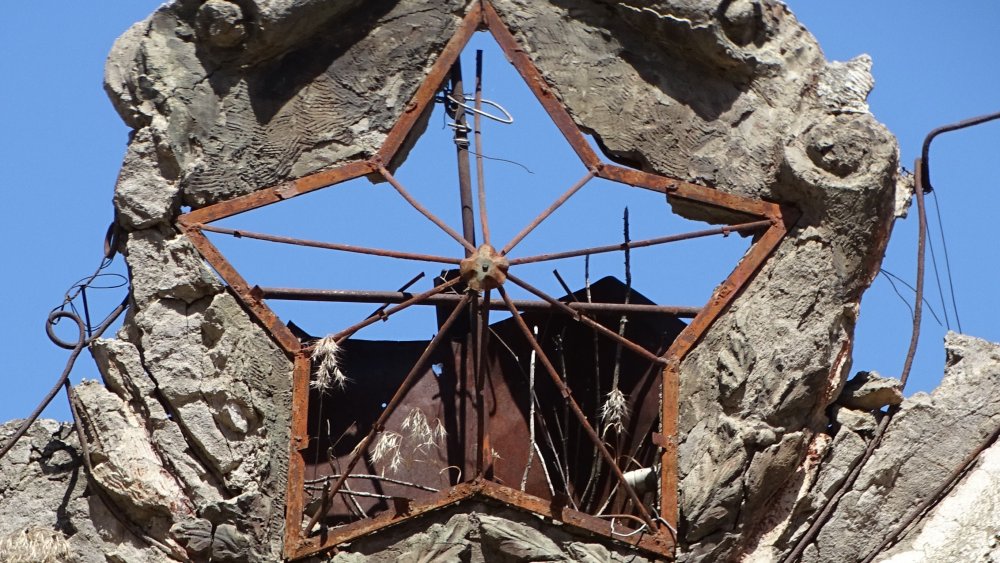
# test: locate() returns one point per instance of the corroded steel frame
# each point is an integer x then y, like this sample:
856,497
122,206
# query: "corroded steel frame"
481,15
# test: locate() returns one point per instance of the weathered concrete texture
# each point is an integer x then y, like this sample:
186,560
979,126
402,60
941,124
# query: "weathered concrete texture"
43,487
923,444
226,97
965,526
737,95
288,102
477,532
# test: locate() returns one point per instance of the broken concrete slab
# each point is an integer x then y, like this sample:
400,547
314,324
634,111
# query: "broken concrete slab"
868,391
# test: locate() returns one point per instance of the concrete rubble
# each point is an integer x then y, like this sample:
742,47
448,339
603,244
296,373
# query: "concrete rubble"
189,433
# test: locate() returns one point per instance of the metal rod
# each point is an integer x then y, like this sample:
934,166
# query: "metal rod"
477,124
461,129
397,398
360,296
564,285
485,457
580,416
331,245
549,211
573,309
378,312
742,227
423,210
347,332
845,486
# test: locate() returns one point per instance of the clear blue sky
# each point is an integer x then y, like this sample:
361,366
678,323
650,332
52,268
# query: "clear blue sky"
62,146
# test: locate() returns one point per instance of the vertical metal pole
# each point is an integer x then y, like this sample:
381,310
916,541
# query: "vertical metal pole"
477,122
484,459
462,150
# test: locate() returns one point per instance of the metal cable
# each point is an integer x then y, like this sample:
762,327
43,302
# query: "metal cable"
831,504
82,342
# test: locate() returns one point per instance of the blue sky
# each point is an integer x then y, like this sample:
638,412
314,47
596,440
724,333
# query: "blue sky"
63,144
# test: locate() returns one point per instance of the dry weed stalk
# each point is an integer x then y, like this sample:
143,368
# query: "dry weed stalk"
417,437
328,373
614,412
35,544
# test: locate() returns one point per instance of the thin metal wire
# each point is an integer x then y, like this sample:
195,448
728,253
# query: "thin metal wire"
947,260
82,342
831,503
507,119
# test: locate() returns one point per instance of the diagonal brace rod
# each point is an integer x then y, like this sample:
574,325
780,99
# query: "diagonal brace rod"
551,209
347,332
742,227
238,233
423,210
632,346
397,398
582,418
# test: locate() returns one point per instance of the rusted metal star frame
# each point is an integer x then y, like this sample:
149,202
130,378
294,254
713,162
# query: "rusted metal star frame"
485,269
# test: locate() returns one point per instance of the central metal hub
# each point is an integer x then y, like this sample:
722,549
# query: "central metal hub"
485,269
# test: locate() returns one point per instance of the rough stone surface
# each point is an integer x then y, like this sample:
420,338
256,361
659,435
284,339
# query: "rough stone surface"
965,526
190,433
481,532
868,391
923,444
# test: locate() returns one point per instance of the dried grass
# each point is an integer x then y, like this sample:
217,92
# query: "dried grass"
614,412
35,544
387,453
326,354
417,438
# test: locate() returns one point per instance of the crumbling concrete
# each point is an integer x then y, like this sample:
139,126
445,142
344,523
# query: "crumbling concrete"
190,433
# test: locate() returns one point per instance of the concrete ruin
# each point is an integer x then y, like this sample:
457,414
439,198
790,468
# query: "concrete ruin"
189,431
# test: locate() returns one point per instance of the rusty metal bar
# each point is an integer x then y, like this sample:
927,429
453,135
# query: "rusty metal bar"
461,130
484,461
565,286
477,121
728,289
539,87
431,84
362,296
724,231
580,416
656,543
660,544
264,315
723,295
379,312
239,233
397,398
423,210
295,494
274,194
410,301
673,187
571,309
549,211
669,479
